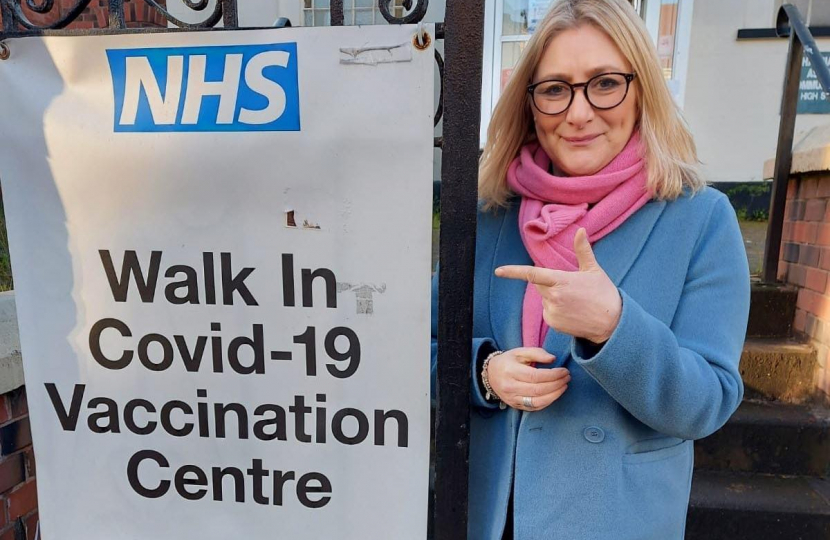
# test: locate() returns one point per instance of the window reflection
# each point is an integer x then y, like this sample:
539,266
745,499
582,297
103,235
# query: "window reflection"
510,53
514,17
667,36
519,19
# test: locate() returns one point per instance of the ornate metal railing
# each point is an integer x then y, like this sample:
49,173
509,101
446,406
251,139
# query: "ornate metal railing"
461,79
16,23
789,24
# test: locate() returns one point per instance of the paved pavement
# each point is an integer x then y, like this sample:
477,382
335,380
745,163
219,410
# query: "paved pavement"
755,236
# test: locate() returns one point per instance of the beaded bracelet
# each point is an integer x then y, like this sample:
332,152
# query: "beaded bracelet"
490,394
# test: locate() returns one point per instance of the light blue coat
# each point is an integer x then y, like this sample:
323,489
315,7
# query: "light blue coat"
612,458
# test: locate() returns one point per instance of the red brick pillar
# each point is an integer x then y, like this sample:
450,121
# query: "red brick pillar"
18,489
805,263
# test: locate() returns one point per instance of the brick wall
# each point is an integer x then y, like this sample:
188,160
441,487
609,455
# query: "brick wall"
18,489
805,263
137,14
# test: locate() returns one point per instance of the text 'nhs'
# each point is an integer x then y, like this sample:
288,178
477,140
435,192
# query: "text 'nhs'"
217,88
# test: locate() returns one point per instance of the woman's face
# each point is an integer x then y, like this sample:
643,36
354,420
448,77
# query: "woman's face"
582,140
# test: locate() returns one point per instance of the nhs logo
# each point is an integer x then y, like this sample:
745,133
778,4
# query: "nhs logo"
224,88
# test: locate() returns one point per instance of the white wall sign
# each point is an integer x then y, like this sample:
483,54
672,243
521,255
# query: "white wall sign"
811,96
221,247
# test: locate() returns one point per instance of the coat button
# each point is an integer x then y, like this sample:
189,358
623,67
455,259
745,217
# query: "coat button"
594,434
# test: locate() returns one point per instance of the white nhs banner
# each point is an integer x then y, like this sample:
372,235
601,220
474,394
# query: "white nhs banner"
223,88
221,243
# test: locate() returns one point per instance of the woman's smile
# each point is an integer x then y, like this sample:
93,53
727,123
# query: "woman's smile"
581,141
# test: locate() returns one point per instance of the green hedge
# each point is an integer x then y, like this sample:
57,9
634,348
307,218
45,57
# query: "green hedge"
751,201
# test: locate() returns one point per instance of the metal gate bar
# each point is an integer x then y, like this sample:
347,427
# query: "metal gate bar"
789,23
463,43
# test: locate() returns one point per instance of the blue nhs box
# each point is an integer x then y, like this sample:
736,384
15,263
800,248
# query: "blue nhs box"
208,88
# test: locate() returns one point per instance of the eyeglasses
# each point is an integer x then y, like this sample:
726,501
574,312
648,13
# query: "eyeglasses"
604,91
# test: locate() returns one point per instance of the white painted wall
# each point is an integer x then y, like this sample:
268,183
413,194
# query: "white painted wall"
733,89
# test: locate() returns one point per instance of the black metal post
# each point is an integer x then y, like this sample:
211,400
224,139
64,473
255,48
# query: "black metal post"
9,22
230,16
463,43
116,14
786,131
336,9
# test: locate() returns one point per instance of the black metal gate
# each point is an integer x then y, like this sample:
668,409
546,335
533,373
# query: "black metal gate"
462,32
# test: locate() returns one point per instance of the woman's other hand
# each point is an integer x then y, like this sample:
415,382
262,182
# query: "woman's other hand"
585,304
518,383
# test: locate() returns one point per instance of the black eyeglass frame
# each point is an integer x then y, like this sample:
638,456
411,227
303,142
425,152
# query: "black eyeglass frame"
584,85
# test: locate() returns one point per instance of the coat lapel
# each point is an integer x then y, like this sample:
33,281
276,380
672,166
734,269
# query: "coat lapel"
615,253
506,295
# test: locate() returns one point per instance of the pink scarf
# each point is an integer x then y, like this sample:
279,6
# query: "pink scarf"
554,207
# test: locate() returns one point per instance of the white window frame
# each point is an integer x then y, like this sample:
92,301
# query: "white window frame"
682,41
491,81
487,71
349,6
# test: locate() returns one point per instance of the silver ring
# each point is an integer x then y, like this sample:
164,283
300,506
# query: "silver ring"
527,402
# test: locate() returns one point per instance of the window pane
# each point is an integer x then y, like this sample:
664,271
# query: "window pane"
510,54
324,4
365,3
638,6
322,18
365,16
667,36
308,19
520,17
514,18
348,16
307,4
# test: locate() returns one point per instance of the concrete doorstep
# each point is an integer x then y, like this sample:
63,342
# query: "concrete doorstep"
11,364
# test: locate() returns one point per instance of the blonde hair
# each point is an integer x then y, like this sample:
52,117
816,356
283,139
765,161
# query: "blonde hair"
670,151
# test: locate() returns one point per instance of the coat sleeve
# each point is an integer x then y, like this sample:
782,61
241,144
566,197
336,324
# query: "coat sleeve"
481,347
683,379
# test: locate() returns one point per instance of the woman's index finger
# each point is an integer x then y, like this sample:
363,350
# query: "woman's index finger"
531,274
536,375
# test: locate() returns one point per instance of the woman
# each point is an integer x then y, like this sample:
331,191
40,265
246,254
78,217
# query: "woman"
611,293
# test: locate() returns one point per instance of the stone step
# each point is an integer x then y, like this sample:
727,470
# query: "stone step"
772,438
771,310
731,506
779,369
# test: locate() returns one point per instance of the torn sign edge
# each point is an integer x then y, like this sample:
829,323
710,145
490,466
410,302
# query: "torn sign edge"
375,55
291,222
